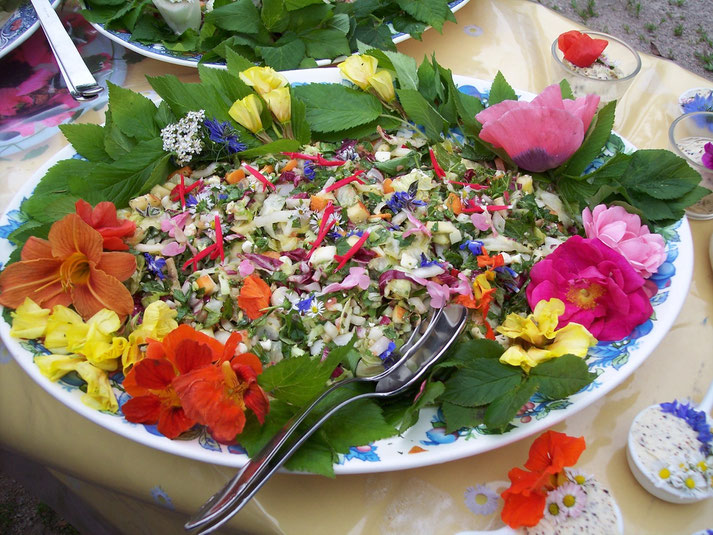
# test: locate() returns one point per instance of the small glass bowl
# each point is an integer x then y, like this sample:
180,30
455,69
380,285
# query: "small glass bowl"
617,52
687,136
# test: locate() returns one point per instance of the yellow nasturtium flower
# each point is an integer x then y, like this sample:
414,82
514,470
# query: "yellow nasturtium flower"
263,79
536,338
246,112
29,320
383,84
358,69
158,321
279,102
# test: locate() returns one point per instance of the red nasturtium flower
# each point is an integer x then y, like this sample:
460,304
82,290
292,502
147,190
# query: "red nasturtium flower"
186,379
102,218
580,49
70,268
254,296
525,499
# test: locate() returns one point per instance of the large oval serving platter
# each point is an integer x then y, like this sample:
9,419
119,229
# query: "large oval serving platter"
427,442
190,59
20,26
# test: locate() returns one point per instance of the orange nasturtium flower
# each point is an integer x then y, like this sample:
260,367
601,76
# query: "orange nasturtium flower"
254,296
191,378
70,268
525,499
102,218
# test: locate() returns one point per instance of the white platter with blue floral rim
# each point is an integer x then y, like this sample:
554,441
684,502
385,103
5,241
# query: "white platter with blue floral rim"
161,53
426,443
20,26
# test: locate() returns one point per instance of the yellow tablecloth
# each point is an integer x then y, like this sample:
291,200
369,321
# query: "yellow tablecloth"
139,490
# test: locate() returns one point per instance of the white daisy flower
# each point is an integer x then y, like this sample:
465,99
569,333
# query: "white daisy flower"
481,499
571,499
577,476
315,309
553,508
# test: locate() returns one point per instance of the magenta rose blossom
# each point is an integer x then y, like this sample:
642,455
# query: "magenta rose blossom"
597,285
624,233
541,134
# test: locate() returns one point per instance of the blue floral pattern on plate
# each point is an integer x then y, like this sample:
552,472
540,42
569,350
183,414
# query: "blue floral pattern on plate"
19,27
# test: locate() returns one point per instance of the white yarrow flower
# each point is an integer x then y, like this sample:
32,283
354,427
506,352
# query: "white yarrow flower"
183,137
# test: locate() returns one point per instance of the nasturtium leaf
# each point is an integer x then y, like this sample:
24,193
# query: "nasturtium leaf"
500,90
482,381
503,409
334,107
561,377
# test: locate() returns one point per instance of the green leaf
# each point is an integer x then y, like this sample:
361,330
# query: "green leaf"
274,15
409,25
471,351
56,180
406,69
427,80
182,97
300,126
325,44
280,145
357,132
500,90
236,63
116,143
164,116
239,16
561,377
285,56
660,174
30,228
420,111
457,417
594,141
357,424
566,90
334,107
87,140
293,5
503,409
255,436
432,12
429,395
315,456
227,84
49,208
378,36
481,382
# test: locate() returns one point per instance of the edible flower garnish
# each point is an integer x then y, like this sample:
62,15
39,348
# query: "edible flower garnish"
279,102
580,49
383,85
263,79
541,134
343,259
343,182
254,296
257,174
536,339
707,158
358,277
358,69
440,173
525,499
102,218
70,268
246,113
157,321
155,265
696,419
180,191
222,133
403,200
599,288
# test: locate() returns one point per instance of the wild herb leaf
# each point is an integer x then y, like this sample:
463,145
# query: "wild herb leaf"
334,107
561,377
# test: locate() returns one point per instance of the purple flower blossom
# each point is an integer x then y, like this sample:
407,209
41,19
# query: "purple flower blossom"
425,262
700,102
224,134
403,200
308,170
155,265
707,157
386,355
696,419
474,246
304,305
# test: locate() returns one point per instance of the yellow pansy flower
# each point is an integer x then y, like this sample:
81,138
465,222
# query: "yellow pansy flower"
279,102
358,69
246,112
158,321
536,338
29,320
263,79
383,84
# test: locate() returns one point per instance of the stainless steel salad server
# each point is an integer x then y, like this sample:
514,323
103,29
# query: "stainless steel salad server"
80,82
418,355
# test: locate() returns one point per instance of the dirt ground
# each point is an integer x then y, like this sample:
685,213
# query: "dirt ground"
679,30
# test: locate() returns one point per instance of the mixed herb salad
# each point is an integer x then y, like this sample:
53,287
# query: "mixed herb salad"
233,250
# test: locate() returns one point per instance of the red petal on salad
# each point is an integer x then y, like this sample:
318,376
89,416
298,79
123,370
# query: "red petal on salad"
567,39
584,51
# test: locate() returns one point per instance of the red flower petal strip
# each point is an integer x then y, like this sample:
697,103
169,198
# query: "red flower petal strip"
440,173
469,184
218,250
300,156
257,174
343,182
200,256
324,226
343,259
329,163
579,48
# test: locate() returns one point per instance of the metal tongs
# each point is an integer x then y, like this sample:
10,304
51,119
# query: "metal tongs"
80,82
428,342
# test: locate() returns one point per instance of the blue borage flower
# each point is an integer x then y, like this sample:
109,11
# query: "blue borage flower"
224,134
425,262
510,275
700,102
304,305
308,170
403,200
696,419
386,355
155,265
474,246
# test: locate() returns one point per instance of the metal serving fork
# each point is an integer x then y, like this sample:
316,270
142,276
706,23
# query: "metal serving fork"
418,354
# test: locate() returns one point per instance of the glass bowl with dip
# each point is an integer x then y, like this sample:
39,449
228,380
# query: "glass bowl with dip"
688,136
610,71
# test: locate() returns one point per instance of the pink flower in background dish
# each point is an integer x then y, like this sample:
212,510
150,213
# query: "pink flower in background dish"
598,286
541,134
623,232
707,158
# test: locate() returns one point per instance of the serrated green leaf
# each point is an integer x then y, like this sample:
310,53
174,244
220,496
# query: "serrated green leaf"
481,382
183,97
293,5
566,90
427,80
500,90
561,377
227,84
325,44
236,63
470,351
280,145
285,56
432,12
428,396
457,417
116,143
30,228
503,409
358,131
274,15
420,111
594,141
87,140
357,424
56,180
132,112
409,25
315,456
334,107
49,208
300,127
239,16
372,36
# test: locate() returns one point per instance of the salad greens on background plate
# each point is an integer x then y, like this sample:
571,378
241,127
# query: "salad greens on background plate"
190,275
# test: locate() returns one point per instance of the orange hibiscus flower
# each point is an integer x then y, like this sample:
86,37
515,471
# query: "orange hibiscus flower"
102,218
525,499
254,296
70,268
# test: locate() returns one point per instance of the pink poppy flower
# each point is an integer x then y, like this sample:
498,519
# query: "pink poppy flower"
541,134
598,286
624,233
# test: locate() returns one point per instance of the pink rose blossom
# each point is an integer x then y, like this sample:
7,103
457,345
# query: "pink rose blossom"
598,286
624,233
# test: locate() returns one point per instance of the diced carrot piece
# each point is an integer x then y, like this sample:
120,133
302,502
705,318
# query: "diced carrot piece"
267,169
398,314
317,203
185,171
289,166
454,204
380,216
388,188
206,282
235,176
